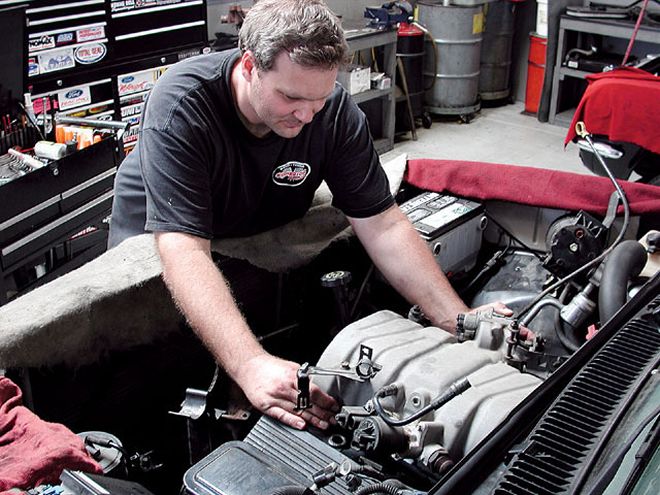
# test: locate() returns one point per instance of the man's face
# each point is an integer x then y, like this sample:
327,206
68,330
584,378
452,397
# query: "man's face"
288,96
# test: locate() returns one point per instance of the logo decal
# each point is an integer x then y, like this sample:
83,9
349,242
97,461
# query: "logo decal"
42,43
64,38
74,97
291,174
33,67
56,60
74,93
90,34
90,53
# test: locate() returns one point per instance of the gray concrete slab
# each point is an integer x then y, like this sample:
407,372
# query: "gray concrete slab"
499,135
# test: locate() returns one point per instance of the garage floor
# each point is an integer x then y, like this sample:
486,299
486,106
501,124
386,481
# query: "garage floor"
499,135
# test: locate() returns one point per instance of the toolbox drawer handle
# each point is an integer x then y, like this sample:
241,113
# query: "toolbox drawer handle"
152,10
163,29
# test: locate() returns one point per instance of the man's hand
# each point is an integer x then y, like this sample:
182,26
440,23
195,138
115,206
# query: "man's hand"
498,307
504,310
270,384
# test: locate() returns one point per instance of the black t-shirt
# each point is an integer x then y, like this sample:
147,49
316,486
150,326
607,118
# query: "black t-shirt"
196,168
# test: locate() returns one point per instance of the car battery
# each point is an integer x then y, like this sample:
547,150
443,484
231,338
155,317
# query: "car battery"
452,227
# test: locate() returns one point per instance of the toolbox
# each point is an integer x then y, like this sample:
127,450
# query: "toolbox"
49,205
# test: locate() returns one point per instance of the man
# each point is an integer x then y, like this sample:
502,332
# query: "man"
236,143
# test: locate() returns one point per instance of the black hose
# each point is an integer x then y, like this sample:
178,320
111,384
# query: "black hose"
382,487
624,262
454,389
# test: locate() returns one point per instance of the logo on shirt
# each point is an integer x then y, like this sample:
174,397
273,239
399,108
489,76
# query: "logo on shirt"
291,174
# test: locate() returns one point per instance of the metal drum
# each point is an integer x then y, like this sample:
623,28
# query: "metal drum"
496,50
455,74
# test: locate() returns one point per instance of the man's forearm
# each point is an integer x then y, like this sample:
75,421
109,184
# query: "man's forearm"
202,294
200,290
407,263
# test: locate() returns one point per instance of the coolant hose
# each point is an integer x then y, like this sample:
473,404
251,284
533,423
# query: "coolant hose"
623,263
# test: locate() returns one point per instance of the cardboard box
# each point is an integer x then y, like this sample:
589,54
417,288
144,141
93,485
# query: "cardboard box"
355,79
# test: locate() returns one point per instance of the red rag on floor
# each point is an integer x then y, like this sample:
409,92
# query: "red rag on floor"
528,185
623,105
32,451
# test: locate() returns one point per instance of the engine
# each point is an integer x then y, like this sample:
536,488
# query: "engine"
417,399
420,364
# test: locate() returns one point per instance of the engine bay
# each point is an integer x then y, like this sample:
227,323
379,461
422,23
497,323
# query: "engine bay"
416,400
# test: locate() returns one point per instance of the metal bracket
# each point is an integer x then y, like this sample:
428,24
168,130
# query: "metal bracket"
364,370
611,210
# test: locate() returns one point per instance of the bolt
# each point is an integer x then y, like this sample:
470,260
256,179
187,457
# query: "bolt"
573,247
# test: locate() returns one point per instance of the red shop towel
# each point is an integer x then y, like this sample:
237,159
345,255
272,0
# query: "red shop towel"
32,451
623,105
528,185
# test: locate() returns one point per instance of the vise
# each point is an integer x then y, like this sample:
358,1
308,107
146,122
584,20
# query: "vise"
388,15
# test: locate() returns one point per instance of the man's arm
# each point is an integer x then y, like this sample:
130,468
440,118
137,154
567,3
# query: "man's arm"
403,257
201,292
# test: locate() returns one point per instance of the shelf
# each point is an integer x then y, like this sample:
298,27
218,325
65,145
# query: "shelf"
607,28
615,28
360,37
566,71
365,38
371,94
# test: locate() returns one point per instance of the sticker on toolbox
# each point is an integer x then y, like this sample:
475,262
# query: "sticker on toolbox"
98,109
98,112
189,53
33,67
125,5
66,38
56,60
38,103
133,99
43,42
90,53
131,110
138,81
105,116
131,135
90,34
74,97
134,121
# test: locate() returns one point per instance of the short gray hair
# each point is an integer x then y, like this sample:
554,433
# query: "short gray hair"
305,29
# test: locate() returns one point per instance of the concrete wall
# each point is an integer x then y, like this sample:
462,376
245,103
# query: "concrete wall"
353,10
347,9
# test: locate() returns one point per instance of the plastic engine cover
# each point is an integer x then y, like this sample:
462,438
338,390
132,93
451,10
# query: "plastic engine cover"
427,360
